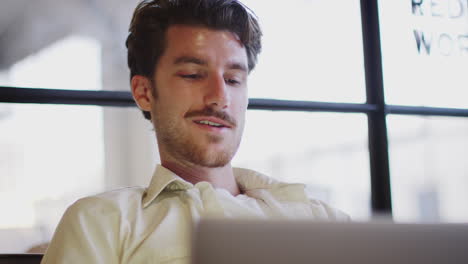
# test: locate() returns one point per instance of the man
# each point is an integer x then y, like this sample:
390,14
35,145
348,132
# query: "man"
189,62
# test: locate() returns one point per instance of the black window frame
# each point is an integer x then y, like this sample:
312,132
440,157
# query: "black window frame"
375,107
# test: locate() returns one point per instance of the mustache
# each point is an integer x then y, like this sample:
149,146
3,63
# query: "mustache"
214,113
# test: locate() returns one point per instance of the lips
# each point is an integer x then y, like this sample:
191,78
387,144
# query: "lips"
209,123
212,122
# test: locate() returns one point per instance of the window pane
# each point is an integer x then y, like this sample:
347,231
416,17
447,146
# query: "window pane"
312,50
425,52
63,44
429,168
326,151
72,63
51,155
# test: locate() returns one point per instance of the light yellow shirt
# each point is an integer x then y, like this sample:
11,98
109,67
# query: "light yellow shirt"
153,225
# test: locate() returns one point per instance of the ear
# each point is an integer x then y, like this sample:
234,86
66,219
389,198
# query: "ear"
142,92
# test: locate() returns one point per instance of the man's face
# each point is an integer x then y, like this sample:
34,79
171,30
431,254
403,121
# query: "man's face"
201,86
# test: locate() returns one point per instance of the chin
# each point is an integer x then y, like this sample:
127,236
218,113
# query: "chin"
216,159
215,155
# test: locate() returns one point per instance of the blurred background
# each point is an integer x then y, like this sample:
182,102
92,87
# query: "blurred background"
51,155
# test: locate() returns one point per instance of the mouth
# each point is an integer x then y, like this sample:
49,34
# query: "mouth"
211,123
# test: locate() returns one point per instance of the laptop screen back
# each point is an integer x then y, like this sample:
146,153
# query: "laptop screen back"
275,242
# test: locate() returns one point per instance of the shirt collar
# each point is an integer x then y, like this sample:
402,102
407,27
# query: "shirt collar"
248,180
252,182
162,179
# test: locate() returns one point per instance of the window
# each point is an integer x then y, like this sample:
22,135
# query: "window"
425,55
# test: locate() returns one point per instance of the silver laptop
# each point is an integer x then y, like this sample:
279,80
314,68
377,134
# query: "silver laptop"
298,242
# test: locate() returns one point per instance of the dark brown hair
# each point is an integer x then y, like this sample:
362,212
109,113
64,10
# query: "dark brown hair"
151,19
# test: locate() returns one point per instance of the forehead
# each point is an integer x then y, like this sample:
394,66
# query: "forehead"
204,42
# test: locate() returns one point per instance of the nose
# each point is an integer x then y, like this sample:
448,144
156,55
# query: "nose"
217,95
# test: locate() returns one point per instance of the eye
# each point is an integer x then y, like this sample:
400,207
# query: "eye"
191,76
232,81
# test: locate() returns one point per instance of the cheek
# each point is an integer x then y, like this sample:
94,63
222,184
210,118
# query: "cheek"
178,99
240,113
168,109
240,105
240,97
244,104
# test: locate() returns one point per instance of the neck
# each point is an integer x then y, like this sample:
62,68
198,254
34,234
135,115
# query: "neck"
221,177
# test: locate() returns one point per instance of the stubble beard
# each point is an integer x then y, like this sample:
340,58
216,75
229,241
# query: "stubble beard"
180,145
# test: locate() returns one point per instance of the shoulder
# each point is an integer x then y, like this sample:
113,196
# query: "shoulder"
108,203
250,179
91,229
326,212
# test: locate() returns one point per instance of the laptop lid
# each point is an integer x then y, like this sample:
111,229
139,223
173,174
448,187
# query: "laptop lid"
275,242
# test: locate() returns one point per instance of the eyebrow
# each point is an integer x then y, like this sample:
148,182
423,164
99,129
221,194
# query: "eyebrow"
189,59
237,66
198,61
